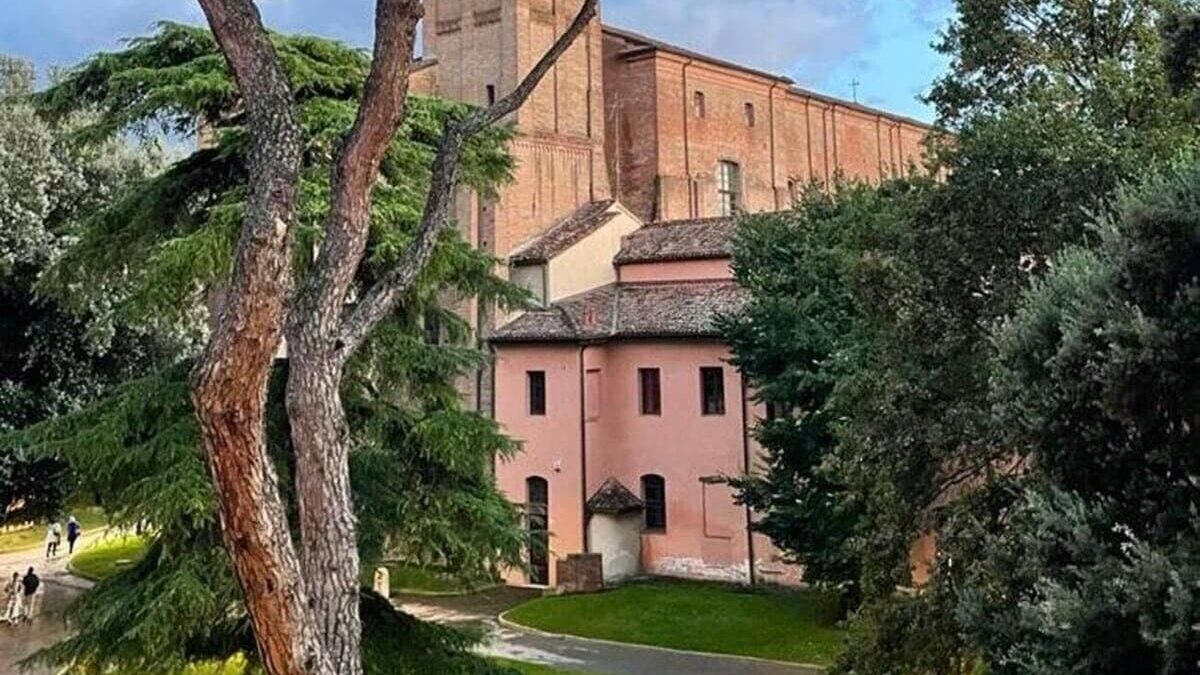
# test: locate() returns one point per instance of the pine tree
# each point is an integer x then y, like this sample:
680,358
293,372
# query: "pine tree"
160,254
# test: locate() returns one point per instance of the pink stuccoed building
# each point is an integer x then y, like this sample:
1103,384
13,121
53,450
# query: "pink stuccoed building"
629,413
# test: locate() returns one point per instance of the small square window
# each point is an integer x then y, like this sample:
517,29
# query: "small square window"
537,392
712,390
650,391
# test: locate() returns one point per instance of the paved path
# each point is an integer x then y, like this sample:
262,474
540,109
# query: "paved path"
61,589
569,653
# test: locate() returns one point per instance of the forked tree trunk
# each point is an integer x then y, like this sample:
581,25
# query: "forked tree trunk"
230,381
305,610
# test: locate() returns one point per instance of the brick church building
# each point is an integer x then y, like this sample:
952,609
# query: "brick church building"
632,157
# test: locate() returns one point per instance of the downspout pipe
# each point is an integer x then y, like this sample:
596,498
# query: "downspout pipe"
583,495
774,168
746,468
687,155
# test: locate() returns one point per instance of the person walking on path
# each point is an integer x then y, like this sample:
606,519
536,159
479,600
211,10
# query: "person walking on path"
74,530
29,586
13,590
53,539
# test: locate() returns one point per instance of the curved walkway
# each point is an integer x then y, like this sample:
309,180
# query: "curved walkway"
579,654
61,589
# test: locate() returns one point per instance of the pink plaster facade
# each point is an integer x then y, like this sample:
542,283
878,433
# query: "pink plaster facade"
679,270
593,429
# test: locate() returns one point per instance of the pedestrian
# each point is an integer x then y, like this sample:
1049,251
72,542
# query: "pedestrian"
74,532
53,539
13,590
29,587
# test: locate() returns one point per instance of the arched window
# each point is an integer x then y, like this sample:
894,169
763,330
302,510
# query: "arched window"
537,517
654,496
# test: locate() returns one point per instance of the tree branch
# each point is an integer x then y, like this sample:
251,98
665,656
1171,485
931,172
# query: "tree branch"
383,297
355,170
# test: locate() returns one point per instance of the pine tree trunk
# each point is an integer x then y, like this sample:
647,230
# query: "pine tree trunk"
328,549
309,624
230,381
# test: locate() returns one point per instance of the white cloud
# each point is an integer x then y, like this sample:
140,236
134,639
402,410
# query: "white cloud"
804,38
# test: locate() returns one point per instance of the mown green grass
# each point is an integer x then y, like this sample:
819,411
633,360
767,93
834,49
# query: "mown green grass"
33,536
406,578
107,557
784,626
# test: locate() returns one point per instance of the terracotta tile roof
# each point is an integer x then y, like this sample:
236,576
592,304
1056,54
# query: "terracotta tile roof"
614,499
699,239
563,235
676,309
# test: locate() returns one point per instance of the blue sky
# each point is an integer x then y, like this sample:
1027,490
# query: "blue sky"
822,44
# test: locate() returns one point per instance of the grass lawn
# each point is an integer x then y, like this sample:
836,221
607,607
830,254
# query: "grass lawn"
784,626
406,578
532,668
107,557
90,517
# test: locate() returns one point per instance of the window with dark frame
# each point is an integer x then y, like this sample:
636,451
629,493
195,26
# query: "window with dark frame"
794,190
537,392
778,411
433,326
729,187
654,497
699,105
650,390
491,94
712,391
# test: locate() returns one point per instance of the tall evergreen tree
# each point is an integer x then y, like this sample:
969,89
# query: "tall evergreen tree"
1053,106
54,361
160,255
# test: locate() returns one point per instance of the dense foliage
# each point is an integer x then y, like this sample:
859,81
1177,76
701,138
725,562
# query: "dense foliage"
53,361
917,407
159,254
1097,387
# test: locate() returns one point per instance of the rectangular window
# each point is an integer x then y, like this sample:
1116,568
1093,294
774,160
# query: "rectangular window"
729,187
654,497
748,112
650,391
778,411
699,105
491,94
433,326
537,392
712,391
794,190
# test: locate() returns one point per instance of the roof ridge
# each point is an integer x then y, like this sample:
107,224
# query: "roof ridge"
614,322
707,220
649,42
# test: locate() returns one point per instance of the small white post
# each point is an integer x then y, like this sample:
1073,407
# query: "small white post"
383,583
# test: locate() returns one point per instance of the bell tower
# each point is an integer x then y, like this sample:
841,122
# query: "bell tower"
482,49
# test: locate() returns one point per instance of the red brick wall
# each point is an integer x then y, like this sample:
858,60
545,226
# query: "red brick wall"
664,156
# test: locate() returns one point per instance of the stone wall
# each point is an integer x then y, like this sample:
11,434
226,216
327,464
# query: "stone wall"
580,573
